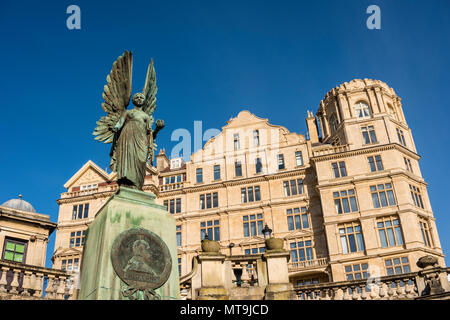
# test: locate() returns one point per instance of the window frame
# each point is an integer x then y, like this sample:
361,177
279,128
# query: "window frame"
236,143
15,241
216,173
210,225
301,251
256,142
258,165
386,191
299,156
369,134
346,199
257,221
375,163
179,234
393,265
280,161
74,237
362,270
360,106
288,186
401,137
339,169
416,195
199,173
296,218
357,240
390,231
238,166
427,235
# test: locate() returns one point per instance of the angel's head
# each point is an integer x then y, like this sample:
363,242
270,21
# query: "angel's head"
138,99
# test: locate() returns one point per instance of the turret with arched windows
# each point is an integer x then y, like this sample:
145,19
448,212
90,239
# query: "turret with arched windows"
361,113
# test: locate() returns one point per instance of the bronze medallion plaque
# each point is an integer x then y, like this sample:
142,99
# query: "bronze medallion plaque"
141,259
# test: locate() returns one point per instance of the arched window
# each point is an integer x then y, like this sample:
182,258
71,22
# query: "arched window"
334,123
391,111
362,110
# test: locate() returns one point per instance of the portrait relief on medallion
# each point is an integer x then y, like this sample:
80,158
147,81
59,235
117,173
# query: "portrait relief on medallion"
141,259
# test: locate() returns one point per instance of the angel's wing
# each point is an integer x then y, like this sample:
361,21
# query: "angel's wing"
117,94
150,90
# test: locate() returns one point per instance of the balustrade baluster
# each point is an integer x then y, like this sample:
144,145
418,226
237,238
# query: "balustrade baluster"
15,282
50,290
338,293
363,294
400,289
60,289
245,276
37,283
26,284
355,294
3,281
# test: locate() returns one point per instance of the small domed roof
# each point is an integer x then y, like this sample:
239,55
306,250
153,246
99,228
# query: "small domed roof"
19,204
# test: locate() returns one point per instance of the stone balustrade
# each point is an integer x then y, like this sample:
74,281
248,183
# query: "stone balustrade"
245,270
396,287
261,276
27,282
299,265
171,186
329,149
81,193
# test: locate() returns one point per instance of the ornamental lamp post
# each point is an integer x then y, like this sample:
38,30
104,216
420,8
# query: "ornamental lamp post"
267,232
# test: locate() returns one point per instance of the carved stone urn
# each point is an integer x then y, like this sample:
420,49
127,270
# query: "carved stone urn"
427,262
210,246
274,244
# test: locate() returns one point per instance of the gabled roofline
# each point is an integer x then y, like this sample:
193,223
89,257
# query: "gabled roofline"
84,168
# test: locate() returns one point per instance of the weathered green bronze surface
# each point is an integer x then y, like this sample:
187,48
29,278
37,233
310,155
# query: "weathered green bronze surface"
129,131
141,259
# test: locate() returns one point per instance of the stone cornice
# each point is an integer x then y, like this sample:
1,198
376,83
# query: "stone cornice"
367,179
93,196
30,218
239,208
237,182
367,150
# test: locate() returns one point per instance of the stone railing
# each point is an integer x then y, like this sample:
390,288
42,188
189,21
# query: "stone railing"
186,290
329,149
171,186
307,264
245,270
396,287
27,282
80,193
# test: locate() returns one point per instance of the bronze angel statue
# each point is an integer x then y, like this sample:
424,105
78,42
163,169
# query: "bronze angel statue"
129,131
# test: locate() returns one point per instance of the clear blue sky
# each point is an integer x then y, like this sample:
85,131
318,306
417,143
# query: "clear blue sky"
213,59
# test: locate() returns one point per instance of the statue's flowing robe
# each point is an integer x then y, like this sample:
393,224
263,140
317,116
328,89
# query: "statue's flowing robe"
132,149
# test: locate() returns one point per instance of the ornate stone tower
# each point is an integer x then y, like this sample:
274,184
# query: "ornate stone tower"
374,200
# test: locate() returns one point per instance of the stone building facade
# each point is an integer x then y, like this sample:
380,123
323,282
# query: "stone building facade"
349,201
24,233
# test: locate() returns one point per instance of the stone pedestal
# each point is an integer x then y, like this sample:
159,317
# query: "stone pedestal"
212,272
128,209
279,287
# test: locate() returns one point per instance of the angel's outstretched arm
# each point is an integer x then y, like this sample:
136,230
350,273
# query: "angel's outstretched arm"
120,123
159,125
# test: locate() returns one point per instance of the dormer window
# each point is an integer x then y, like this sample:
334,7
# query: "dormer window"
362,110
